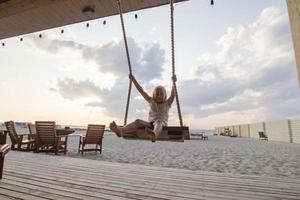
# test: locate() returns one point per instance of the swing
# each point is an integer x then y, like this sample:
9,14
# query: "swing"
170,133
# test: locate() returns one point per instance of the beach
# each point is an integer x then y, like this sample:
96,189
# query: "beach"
217,154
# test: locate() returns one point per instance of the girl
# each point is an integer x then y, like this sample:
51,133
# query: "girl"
158,113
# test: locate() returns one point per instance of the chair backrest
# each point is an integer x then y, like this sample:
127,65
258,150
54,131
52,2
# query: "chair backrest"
10,126
31,128
262,134
94,133
46,132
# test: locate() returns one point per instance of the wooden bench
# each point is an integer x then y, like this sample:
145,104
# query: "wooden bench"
4,149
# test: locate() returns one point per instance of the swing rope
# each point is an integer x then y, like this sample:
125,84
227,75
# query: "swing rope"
129,63
128,60
173,60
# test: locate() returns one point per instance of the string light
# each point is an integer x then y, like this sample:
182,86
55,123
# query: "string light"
87,24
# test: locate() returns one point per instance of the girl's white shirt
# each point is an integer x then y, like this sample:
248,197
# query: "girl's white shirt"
159,112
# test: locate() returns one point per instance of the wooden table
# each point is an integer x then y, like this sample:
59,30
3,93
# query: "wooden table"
64,132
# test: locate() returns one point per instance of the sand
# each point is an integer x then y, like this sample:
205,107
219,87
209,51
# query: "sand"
217,154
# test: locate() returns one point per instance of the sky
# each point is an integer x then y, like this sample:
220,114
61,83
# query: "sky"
234,64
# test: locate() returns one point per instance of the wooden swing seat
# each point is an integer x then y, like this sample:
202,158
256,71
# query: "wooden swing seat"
169,133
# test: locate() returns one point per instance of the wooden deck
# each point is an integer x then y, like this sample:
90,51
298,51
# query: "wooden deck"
39,176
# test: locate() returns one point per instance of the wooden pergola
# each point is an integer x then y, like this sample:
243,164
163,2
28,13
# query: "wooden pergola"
18,17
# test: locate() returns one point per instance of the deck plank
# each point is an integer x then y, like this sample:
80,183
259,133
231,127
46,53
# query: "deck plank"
179,184
168,180
45,176
3,197
213,189
60,161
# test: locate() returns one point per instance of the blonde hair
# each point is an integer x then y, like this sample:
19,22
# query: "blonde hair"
163,89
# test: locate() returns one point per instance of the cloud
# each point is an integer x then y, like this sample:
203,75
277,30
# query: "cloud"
147,64
53,46
252,74
254,68
146,59
72,90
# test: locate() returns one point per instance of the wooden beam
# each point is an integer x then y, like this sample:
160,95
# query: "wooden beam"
294,10
18,17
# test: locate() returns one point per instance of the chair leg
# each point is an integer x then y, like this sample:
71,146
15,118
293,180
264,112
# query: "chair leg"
66,145
19,147
1,166
82,149
65,150
33,147
101,146
36,148
79,145
56,148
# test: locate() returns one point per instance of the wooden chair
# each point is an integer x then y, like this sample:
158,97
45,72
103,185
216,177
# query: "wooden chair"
32,131
4,149
94,135
47,140
31,128
262,135
18,139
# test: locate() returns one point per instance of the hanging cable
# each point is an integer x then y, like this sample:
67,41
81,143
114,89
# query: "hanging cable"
128,60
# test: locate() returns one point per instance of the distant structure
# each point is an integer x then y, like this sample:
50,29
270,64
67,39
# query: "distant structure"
282,130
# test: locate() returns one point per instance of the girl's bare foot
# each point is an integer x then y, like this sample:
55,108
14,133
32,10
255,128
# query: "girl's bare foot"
151,134
114,127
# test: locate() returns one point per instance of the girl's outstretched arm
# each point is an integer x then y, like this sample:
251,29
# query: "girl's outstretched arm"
172,96
139,88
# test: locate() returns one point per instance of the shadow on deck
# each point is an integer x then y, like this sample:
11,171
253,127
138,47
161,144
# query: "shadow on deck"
39,176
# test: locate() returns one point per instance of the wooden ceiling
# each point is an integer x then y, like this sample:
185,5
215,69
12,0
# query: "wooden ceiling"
294,14
18,17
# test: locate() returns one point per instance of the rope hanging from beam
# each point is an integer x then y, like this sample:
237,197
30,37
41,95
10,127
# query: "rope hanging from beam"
128,60
173,59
